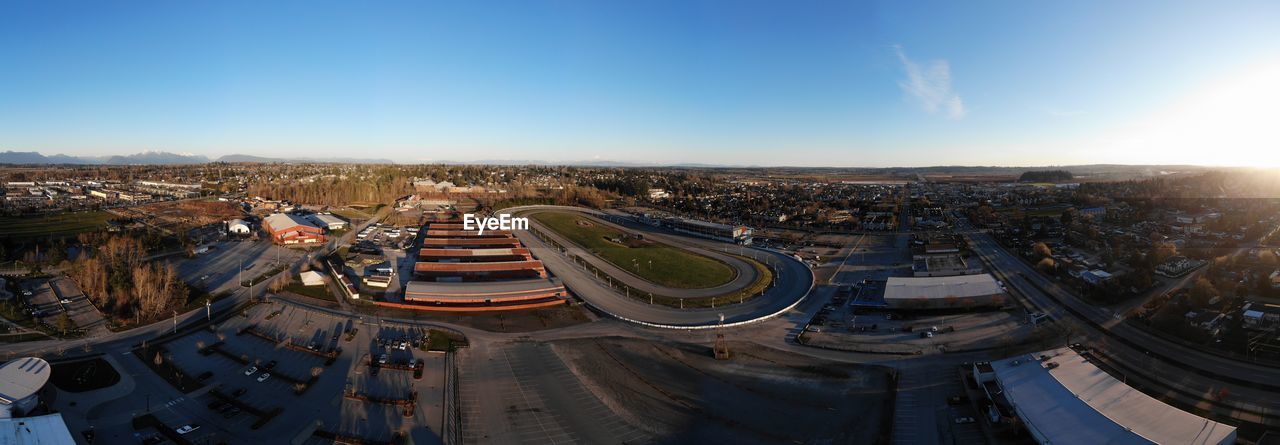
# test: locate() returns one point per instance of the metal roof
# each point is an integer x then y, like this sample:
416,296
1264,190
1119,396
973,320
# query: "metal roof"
1073,401
327,220
48,429
21,378
941,287
281,221
491,288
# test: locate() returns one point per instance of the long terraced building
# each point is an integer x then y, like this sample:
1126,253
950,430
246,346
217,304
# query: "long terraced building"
462,270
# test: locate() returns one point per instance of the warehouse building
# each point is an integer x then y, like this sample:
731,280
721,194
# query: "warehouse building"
460,270
48,429
474,255
470,243
1061,397
290,229
328,221
20,384
497,295
949,292
238,227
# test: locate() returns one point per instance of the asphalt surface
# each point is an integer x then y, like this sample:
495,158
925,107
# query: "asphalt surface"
745,273
793,282
1190,374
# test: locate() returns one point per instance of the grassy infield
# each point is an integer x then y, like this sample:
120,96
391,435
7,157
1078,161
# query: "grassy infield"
659,263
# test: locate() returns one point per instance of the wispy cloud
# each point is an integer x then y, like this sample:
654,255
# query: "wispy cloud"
930,85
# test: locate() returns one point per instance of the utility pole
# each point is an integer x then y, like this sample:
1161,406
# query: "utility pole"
175,322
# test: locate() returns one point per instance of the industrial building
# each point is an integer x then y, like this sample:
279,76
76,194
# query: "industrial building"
329,221
48,429
716,231
290,229
470,243
481,270
1061,397
512,294
473,255
948,292
461,270
20,384
238,227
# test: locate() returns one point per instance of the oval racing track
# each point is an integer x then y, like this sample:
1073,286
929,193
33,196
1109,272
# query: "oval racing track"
793,284
744,273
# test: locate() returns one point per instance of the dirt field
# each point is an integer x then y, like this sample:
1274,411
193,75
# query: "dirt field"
184,215
680,394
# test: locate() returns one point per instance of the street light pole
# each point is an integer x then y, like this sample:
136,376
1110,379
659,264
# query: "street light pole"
175,322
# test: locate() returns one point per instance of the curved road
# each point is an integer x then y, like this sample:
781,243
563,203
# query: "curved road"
745,273
793,283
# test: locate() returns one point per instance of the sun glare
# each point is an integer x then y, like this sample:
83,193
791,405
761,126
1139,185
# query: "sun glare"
1231,123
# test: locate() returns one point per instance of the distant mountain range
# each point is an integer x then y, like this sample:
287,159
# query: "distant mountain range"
167,158
159,158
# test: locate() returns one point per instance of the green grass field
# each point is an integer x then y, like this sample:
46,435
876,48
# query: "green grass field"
60,225
660,263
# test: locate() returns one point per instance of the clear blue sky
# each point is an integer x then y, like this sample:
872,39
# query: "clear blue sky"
821,83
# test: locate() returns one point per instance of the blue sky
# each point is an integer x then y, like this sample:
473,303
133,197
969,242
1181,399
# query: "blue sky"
812,83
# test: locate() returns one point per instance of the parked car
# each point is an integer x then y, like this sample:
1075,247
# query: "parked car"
270,365
264,377
382,359
65,301
188,428
251,370
964,420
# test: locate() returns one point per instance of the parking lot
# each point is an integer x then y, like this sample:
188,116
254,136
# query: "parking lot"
82,312
397,248
934,407
219,269
304,369
875,330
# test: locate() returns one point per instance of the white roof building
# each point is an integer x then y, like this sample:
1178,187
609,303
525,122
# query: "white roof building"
329,221
942,292
238,226
1066,399
20,382
48,429
312,278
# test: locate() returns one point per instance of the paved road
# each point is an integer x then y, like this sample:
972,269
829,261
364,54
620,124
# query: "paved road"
793,283
1193,374
745,272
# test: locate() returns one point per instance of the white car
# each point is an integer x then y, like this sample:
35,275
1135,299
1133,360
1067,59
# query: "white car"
264,377
251,370
382,359
188,428
65,301
404,345
964,420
